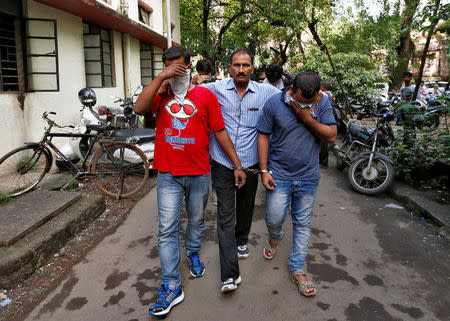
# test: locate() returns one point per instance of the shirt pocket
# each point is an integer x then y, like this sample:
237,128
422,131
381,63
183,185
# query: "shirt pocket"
252,116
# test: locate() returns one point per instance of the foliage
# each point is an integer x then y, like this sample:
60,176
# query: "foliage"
72,185
426,162
356,71
4,198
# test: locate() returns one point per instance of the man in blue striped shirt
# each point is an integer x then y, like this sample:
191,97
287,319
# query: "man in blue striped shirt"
241,101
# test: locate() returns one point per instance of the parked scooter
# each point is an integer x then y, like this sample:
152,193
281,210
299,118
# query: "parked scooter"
370,172
122,118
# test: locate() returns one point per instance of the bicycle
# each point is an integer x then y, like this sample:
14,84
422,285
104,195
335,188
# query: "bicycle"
118,167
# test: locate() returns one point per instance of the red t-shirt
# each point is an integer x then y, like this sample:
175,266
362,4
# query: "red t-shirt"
182,132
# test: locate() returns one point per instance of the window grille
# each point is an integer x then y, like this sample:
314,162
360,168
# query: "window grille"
146,63
42,55
10,76
98,56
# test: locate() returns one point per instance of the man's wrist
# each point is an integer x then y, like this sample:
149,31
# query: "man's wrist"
265,171
238,168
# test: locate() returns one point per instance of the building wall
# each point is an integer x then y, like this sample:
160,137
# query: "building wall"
21,115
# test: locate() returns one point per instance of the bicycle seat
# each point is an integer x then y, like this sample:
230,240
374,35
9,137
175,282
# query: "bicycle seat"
97,127
143,134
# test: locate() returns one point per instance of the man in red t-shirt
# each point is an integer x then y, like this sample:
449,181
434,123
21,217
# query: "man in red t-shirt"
183,125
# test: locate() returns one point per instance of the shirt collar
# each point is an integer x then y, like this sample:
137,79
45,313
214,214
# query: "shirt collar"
251,85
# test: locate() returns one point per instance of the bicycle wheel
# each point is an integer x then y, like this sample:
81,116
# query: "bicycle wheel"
22,169
120,169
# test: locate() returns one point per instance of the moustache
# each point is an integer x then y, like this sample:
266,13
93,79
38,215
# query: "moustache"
241,74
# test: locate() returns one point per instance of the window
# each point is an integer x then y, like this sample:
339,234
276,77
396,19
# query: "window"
98,56
9,65
42,55
145,12
146,63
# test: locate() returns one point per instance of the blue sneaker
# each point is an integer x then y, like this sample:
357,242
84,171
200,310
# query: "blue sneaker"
242,251
196,267
167,299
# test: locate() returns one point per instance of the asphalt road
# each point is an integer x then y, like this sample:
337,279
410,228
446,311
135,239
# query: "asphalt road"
370,262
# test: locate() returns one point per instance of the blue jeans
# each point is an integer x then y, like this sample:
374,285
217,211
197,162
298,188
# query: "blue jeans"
171,190
299,196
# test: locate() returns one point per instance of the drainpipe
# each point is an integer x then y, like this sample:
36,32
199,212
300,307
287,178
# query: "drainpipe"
169,25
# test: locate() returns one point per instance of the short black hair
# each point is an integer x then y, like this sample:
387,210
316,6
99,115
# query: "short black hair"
274,72
204,65
241,51
176,52
407,74
308,82
326,85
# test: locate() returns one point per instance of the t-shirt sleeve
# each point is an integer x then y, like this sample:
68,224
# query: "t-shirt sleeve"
215,118
265,121
326,115
156,103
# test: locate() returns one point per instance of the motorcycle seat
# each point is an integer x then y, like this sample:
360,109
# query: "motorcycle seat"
143,134
358,130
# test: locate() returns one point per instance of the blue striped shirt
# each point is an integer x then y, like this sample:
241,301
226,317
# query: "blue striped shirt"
240,117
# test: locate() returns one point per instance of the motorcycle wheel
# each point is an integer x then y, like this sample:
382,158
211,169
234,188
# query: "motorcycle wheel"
373,181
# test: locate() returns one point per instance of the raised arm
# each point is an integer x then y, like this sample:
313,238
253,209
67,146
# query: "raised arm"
325,132
145,99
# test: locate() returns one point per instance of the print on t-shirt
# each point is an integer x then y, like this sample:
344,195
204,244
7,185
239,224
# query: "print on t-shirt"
180,113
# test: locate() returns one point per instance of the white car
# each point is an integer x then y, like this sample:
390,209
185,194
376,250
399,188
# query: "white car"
430,87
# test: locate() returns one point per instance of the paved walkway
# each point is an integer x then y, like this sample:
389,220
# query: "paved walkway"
371,262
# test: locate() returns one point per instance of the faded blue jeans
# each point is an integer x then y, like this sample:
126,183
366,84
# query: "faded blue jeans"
297,197
171,190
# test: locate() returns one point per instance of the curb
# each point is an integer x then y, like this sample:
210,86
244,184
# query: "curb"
22,258
422,204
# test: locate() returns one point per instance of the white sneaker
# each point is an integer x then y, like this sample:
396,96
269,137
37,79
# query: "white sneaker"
243,251
230,284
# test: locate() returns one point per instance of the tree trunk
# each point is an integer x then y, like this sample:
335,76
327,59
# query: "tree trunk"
425,49
406,46
323,47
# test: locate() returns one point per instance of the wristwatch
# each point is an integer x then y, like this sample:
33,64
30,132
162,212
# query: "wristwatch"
266,171
238,168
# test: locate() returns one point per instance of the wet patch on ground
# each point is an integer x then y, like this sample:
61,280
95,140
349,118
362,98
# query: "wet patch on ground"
317,232
328,273
274,291
59,298
143,289
76,303
341,260
414,313
373,280
144,241
320,246
115,279
130,310
323,306
368,309
310,258
114,299
325,257
153,252
371,264
150,274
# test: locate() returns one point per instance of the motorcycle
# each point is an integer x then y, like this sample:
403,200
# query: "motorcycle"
121,119
370,172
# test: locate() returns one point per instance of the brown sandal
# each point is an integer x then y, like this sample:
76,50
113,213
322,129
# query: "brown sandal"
303,287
